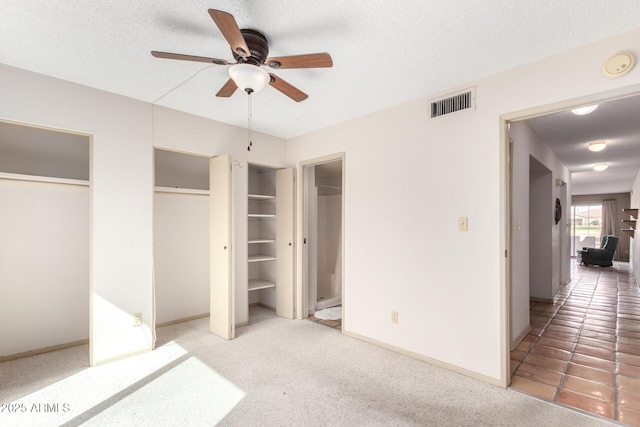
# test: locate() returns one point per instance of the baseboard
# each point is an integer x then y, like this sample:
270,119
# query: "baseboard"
434,362
259,304
520,337
544,300
242,324
43,350
181,320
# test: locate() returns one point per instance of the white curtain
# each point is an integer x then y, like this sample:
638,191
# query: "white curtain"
610,221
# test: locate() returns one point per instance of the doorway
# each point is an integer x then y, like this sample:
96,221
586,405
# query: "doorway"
322,241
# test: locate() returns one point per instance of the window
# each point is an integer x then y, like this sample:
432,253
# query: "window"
586,224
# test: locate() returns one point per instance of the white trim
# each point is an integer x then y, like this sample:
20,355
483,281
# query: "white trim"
44,179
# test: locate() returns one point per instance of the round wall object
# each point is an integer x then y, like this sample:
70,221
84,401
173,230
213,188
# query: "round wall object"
618,65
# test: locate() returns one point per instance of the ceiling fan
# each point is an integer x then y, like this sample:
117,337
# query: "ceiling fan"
250,50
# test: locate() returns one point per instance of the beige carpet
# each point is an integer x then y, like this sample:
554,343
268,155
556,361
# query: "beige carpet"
277,372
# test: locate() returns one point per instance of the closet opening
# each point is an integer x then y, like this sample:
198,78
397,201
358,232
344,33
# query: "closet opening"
181,237
270,242
323,215
44,241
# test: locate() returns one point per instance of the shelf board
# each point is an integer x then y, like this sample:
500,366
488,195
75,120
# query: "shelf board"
261,257
629,231
44,179
255,284
630,222
261,215
260,197
181,190
632,212
253,241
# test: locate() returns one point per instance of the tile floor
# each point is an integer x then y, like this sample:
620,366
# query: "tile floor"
336,324
583,350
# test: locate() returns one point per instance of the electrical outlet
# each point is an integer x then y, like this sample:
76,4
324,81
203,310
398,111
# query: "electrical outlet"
394,317
137,319
463,223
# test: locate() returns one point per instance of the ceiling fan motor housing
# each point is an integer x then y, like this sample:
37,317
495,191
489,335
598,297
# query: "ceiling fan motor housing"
258,47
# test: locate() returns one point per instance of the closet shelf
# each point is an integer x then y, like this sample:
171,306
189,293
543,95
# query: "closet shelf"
261,257
254,241
181,190
261,215
260,197
255,284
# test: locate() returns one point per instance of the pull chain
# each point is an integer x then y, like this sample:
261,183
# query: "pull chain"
249,127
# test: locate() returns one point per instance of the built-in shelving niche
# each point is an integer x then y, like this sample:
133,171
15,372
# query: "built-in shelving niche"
631,223
261,244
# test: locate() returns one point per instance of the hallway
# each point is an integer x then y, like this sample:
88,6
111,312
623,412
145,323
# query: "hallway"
583,350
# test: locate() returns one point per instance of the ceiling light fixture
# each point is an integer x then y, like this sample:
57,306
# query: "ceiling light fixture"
251,79
600,167
597,145
584,110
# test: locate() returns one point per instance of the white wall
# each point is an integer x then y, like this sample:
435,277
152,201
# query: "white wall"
527,144
44,265
121,200
181,250
634,256
541,242
329,218
407,181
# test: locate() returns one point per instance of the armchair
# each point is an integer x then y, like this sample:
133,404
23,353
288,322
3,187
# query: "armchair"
602,256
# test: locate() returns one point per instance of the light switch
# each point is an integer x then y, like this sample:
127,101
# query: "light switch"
463,223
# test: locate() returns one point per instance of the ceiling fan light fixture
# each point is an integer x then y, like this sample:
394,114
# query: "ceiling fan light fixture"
600,167
597,145
582,111
249,78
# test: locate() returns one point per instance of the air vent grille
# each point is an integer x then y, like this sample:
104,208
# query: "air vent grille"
459,102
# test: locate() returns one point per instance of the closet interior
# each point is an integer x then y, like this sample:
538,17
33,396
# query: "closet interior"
181,236
270,248
261,244
44,239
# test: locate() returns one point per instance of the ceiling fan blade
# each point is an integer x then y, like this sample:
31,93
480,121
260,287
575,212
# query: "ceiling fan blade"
310,60
229,29
227,89
168,55
284,87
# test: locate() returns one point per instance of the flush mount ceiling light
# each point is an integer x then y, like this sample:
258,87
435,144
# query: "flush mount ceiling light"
597,145
249,78
584,110
600,167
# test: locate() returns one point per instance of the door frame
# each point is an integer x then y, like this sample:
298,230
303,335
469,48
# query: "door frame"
506,180
301,233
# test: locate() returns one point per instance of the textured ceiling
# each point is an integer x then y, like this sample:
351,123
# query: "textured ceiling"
617,122
384,52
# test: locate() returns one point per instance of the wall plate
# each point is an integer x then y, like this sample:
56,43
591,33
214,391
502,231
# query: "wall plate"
618,65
